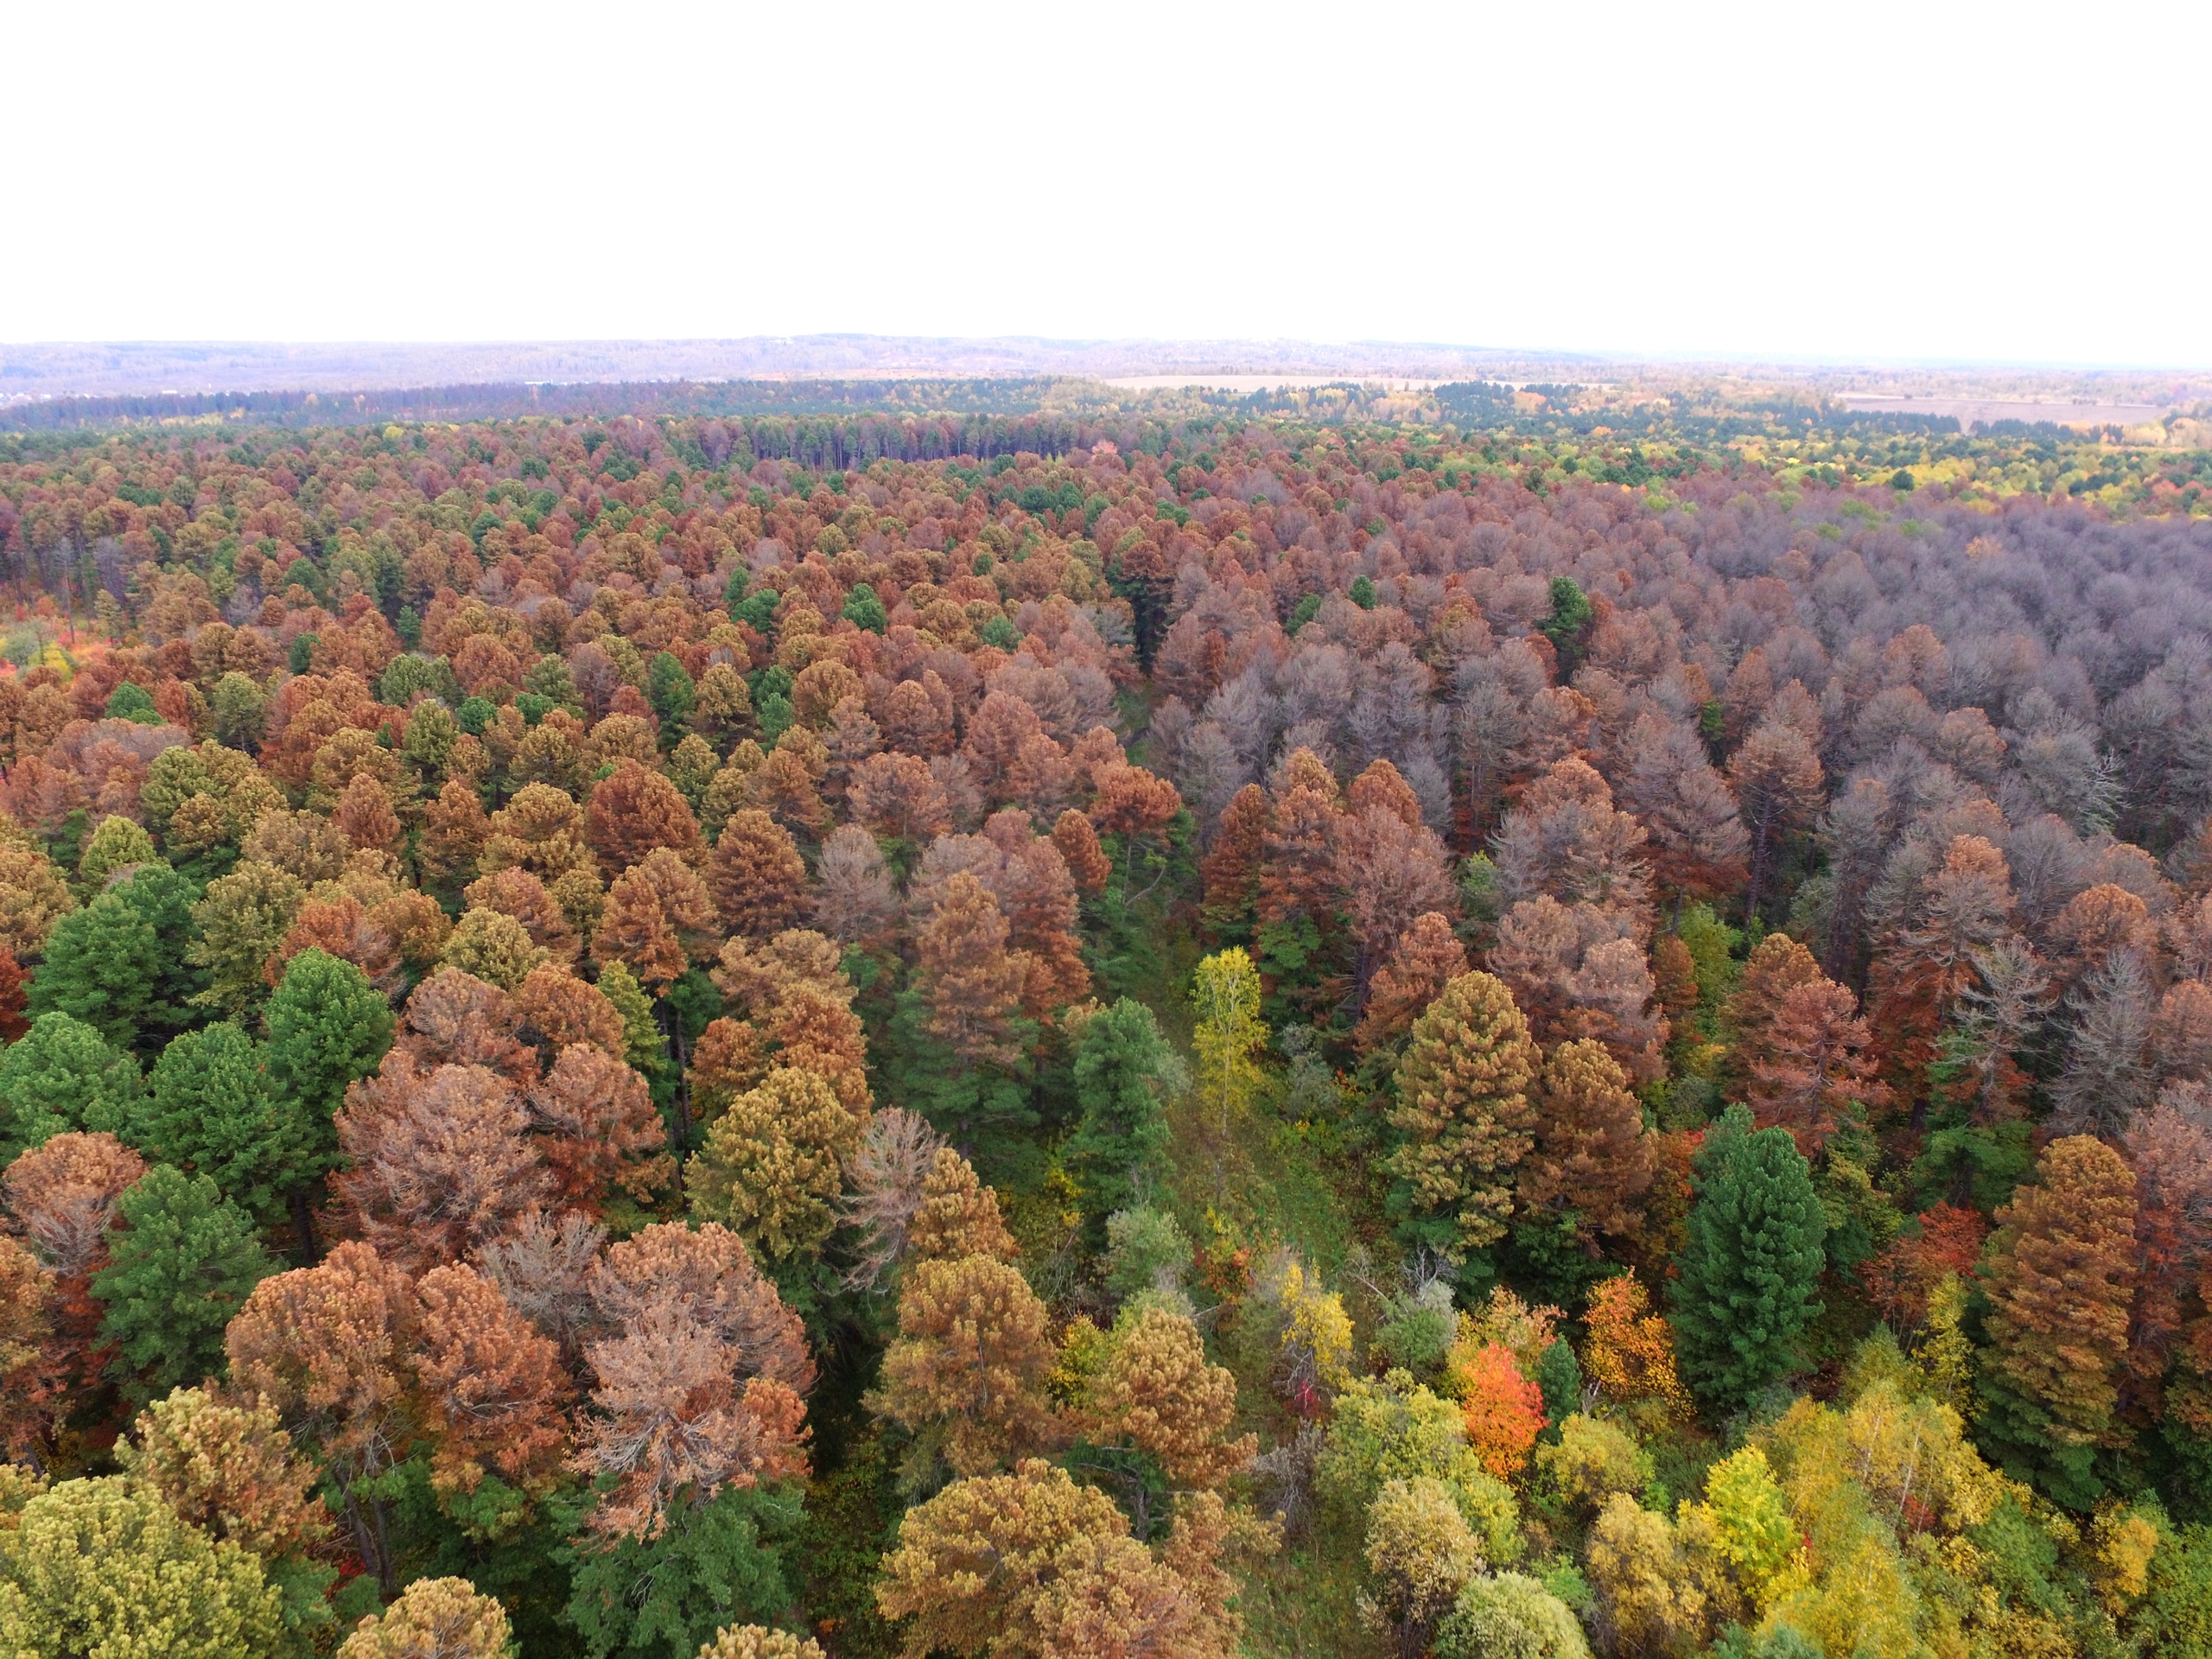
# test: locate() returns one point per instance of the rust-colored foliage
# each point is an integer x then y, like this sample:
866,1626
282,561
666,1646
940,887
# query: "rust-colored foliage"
971,983
516,893
597,1129
492,1386
1298,872
658,918
700,1388
1078,843
325,1347
563,1011
1812,1074
1158,1392
27,1373
1673,975
967,1369
957,1215
899,797
1928,963
13,1022
1231,869
230,1470
1428,957
2170,1148
365,818
1943,1240
2060,1274
756,876
347,928
633,810
1591,1155
440,1160
454,1018
62,1198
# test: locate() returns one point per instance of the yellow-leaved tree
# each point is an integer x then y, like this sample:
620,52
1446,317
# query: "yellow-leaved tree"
1225,995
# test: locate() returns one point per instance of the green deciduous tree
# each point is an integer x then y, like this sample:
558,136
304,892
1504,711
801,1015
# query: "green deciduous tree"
1420,1554
1225,996
1750,1271
1509,1615
182,1260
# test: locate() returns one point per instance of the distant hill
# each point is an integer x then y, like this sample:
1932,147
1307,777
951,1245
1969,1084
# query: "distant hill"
140,368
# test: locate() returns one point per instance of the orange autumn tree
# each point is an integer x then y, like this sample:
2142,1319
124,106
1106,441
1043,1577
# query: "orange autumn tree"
1428,957
1592,1158
2060,1273
699,1384
1503,1410
1230,872
756,877
492,1388
1813,1074
325,1347
1629,1352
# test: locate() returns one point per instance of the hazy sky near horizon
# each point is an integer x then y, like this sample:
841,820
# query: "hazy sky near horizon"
1955,182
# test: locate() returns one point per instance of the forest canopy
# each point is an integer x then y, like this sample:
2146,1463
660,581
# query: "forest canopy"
1498,1024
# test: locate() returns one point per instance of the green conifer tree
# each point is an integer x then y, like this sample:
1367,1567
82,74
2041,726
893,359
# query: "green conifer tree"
60,1075
864,609
327,1028
100,967
182,1260
209,1103
672,695
164,897
1123,1070
1752,1264
718,1561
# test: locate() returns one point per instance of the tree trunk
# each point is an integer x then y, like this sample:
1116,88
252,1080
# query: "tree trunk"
304,1222
1759,838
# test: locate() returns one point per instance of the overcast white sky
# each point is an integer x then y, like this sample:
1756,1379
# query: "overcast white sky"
1960,182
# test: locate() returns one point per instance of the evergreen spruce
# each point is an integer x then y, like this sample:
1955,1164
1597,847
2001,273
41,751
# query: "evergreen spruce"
182,1262
327,1027
1124,1068
61,1074
209,1103
1752,1263
100,968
